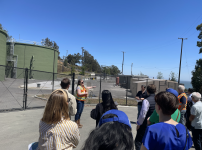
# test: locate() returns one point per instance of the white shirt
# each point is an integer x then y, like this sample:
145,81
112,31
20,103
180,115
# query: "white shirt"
71,103
196,110
190,99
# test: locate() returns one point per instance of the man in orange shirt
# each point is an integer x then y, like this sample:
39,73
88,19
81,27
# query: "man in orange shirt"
182,98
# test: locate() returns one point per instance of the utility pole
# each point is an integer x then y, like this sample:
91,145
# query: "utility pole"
131,69
123,61
180,58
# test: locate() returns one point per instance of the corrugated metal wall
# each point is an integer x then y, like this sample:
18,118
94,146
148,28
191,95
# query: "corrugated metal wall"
3,36
43,59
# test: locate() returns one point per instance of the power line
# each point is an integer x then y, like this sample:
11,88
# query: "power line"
190,27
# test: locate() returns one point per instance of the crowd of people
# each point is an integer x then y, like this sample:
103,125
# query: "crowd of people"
164,121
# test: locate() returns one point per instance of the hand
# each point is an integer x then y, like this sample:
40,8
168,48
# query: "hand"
138,126
93,86
142,99
138,98
148,122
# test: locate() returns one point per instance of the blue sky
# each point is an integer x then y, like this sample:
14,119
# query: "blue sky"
147,30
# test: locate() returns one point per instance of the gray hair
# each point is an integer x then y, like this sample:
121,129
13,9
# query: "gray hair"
196,96
143,86
181,87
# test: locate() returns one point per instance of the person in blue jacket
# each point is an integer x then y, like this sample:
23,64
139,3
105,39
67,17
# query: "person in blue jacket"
167,134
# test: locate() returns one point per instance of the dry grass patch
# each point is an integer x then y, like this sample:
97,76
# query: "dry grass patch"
96,101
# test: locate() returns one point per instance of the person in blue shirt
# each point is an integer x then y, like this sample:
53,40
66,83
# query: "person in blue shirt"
167,134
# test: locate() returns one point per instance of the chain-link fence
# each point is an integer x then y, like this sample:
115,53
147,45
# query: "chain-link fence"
31,88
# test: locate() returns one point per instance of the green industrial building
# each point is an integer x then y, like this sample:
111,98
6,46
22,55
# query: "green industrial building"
40,60
3,39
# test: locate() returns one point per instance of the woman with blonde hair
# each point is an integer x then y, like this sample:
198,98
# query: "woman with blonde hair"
56,129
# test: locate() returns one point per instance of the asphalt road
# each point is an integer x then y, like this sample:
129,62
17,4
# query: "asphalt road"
20,128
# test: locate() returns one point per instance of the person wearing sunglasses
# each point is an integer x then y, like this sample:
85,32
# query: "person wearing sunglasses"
81,96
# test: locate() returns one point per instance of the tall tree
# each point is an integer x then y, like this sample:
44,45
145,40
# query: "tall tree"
1,27
173,76
196,79
73,59
114,70
48,43
55,46
160,75
199,43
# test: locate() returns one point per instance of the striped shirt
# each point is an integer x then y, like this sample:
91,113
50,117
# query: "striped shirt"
61,136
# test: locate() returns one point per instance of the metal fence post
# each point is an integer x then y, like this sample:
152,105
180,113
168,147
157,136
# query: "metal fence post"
53,72
73,83
26,70
126,90
24,89
100,89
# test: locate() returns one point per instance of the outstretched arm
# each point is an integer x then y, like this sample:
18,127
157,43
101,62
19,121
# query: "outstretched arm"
143,112
90,87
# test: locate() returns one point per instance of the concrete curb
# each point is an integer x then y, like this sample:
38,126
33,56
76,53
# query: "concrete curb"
40,97
85,104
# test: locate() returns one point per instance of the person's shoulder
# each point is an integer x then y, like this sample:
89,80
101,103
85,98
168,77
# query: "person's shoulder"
197,105
181,128
70,95
154,129
99,105
70,123
180,125
194,106
156,126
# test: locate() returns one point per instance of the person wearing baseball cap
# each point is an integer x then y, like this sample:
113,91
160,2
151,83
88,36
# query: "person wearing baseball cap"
154,118
114,131
196,120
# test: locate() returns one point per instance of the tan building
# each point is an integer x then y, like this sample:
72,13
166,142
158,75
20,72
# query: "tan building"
161,84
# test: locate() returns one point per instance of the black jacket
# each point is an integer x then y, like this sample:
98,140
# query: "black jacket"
151,100
188,113
97,113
